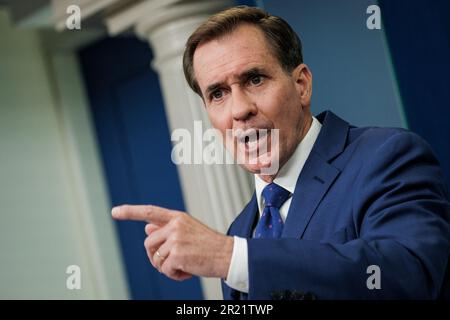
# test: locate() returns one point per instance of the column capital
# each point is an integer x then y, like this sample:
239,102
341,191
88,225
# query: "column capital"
179,10
165,24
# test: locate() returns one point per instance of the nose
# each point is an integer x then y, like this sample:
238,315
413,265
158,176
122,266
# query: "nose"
243,108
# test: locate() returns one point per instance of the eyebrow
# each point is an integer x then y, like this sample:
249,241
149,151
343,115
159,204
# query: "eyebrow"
244,76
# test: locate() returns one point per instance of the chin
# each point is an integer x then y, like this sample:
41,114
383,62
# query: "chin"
262,164
252,168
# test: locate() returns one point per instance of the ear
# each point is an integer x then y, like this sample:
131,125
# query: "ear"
303,81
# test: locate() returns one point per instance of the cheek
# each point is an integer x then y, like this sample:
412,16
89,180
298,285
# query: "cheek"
283,110
278,109
220,120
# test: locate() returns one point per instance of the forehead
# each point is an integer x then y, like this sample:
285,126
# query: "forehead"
226,57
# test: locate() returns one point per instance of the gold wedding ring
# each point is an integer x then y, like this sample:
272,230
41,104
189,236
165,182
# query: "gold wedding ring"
159,255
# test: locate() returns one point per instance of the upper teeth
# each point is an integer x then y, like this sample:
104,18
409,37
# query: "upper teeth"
251,135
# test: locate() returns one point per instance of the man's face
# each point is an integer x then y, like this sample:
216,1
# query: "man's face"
244,87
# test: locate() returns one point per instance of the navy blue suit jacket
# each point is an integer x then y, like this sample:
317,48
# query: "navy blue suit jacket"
365,196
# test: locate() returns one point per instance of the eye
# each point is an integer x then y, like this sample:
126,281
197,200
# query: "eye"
256,80
216,95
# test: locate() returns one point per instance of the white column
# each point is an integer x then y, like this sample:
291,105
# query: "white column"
214,194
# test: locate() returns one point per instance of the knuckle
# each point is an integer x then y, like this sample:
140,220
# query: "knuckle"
147,243
148,211
175,238
148,229
177,221
150,257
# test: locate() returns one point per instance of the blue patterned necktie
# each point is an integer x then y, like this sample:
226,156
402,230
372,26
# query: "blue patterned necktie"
270,224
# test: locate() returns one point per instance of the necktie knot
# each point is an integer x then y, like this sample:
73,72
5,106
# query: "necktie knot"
274,195
270,224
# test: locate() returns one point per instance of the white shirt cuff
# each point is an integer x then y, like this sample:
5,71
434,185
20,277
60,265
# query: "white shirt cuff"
237,277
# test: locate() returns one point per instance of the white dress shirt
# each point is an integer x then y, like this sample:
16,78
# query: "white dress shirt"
237,277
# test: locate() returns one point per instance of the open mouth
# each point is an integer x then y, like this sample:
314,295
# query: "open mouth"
253,138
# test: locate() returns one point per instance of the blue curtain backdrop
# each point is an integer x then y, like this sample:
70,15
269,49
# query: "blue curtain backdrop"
418,33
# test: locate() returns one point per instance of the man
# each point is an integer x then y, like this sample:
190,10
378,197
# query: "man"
346,202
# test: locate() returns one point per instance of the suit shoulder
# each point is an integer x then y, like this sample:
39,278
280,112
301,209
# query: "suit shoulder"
374,135
374,138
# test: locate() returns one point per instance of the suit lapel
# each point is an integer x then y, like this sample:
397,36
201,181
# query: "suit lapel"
245,228
317,174
312,185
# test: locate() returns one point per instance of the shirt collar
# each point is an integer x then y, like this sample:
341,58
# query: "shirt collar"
289,173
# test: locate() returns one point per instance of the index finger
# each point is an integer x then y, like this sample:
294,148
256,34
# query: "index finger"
152,214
